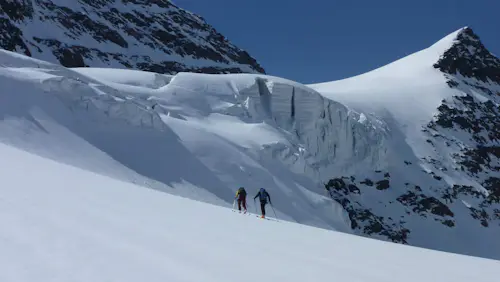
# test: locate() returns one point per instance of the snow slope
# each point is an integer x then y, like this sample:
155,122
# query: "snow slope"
390,90
66,224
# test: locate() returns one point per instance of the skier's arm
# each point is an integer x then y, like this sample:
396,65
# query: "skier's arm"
256,196
269,196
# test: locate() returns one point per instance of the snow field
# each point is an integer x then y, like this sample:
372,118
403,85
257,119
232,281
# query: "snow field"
66,224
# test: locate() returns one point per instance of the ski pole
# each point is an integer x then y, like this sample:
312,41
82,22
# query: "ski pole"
274,212
255,206
234,202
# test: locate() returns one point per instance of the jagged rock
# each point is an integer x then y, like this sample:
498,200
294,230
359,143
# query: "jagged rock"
481,215
363,219
383,184
475,159
148,35
367,182
422,203
457,191
493,185
340,185
470,58
448,222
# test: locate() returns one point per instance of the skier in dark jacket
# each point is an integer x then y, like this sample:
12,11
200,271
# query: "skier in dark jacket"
263,197
241,197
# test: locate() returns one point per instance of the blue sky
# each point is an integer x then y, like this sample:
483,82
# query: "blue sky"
322,40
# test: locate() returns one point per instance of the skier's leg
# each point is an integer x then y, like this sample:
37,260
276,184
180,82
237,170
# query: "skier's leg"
245,204
263,208
239,204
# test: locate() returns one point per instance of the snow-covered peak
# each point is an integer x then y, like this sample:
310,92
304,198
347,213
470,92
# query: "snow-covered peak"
441,46
441,108
415,80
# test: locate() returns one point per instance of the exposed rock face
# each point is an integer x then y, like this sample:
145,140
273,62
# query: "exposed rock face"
344,191
152,35
470,58
475,118
460,185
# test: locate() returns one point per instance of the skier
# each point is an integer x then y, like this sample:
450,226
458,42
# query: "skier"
241,196
263,196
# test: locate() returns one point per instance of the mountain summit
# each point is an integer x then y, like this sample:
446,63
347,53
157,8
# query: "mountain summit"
147,35
469,57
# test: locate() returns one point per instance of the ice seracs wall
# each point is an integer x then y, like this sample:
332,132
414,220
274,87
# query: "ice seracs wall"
323,137
148,35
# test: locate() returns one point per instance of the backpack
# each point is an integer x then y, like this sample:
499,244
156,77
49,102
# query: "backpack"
263,195
241,192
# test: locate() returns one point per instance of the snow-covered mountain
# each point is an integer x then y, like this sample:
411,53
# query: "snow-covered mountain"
379,155
151,35
438,184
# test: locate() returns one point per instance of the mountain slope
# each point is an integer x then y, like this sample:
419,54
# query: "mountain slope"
202,136
100,229
441,177
148,35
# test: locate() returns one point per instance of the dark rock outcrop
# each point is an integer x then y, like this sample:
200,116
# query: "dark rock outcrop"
148,35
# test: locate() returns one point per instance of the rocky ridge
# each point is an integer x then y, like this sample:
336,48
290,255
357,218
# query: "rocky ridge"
150,35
